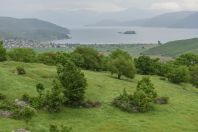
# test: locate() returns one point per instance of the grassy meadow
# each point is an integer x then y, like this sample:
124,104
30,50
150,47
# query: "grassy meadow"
181,114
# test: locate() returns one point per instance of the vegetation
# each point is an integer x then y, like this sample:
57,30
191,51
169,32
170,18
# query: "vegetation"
104,88
2,52
73,82
174,48
121,63
194,75
20,70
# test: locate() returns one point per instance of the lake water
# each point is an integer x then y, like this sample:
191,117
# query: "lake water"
110,35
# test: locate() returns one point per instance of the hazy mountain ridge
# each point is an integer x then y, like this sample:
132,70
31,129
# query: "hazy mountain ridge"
185,19
32,29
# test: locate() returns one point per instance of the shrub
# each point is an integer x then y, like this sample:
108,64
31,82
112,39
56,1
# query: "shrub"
20,70
25,113
91,104
73,82
26,98
22,55
2,96
48,58
194,75
161,100
121,64
40,88
178,74
140,101
2,52
188,59
62,128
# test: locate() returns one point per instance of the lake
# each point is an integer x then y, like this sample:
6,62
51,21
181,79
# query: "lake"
111,35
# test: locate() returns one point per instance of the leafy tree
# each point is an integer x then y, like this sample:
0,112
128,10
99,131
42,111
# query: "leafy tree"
188,59
2,52
77,59
147,65
62,58
22,55
73,82
194,75
90,57
178,74
122,64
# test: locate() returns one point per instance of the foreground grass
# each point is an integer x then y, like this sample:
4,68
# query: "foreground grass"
181,114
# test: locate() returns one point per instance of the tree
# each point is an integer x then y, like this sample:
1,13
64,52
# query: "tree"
178,74
147,65
22,54
2,52
194,75
121,63
188,59
90,58
73,82
48,58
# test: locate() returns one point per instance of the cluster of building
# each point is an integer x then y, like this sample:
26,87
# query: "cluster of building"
16,43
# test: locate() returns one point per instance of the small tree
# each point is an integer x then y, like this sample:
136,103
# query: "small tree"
122,64
73,82
2,52
194,75
188,59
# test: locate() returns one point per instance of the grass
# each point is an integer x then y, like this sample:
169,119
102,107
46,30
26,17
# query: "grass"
174,48
179,115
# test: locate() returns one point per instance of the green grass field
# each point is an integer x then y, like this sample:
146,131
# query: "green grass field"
174,48
180,115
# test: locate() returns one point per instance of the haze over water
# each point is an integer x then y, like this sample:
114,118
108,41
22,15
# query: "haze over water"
110,35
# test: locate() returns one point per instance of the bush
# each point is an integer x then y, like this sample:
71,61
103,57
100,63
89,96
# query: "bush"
26,98
121,64
55,128
91,104
20,70
178,74
22,55
40,88
25,113
140,101
2,96
2,52
194,75
161,100
73,82
48,58
188,59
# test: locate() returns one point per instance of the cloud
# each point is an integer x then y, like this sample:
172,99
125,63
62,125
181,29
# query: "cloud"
171,6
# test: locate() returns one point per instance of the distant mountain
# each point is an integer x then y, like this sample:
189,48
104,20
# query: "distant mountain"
31,29
185,19
174,48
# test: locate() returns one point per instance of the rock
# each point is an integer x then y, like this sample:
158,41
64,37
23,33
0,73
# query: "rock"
20,103
21,130
5,113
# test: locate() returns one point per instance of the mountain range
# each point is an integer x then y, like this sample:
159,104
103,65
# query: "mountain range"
31,29
184,19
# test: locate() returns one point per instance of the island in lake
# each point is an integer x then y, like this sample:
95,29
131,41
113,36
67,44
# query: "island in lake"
128,32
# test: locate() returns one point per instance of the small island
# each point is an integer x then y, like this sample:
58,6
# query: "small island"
128,32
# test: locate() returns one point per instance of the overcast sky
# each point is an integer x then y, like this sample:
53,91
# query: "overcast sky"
43,8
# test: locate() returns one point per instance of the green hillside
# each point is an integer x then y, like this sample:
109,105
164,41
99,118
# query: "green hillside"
179,115
175,48
31,29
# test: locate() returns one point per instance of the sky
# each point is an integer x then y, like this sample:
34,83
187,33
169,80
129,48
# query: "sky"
68,12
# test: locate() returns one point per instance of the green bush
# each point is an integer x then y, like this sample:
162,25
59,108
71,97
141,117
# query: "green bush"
55,128
48,58
194,75
2,52
22,55
178,74
2,96
73,82
20,70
